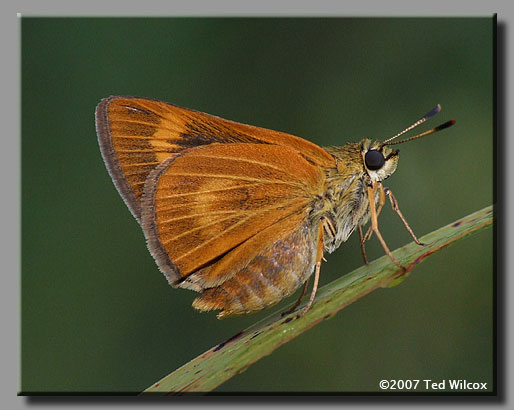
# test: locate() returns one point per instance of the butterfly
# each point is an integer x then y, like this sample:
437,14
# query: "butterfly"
242,214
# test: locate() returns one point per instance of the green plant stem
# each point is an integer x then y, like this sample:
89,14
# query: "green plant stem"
235,355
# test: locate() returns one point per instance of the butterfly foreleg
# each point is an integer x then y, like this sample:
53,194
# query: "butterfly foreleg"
381,203
394,205
374,222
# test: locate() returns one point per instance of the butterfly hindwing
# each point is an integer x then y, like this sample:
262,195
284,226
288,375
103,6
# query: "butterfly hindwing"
206,212
270,276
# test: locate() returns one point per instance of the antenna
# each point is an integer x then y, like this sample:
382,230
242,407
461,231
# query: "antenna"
415,137
425,117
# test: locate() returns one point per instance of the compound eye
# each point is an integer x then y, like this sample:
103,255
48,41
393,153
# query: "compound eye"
374,159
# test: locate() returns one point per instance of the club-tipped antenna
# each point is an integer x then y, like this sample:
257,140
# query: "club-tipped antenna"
415,137
425,117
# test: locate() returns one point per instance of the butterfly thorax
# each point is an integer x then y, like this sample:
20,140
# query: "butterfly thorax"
345,203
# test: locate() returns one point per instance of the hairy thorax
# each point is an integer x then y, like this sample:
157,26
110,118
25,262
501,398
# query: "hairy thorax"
345,203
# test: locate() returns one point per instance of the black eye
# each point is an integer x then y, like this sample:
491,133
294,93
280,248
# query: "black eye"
374,159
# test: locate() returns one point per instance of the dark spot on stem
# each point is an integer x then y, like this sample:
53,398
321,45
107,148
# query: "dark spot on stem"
255,335
221,345
456,224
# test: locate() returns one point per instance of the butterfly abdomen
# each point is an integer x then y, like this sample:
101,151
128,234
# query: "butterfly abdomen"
267,279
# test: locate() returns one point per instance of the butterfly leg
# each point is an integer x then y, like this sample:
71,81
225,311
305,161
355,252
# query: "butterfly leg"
374,223
381,203
363,248
394,205
319,257
302,294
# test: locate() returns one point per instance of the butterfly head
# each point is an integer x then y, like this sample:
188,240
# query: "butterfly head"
378,159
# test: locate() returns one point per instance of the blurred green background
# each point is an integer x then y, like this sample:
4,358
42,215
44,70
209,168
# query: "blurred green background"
98,316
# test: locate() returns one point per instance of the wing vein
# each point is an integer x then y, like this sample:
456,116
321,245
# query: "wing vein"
152,137
141,164
130,151
273,181
199,228
232,227
151,124
152,110
265,164
199,214
209,191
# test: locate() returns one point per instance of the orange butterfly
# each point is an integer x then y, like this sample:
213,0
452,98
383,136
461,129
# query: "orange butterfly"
239,213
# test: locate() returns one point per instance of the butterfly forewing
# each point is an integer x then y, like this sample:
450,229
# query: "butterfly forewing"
137,134
206,211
